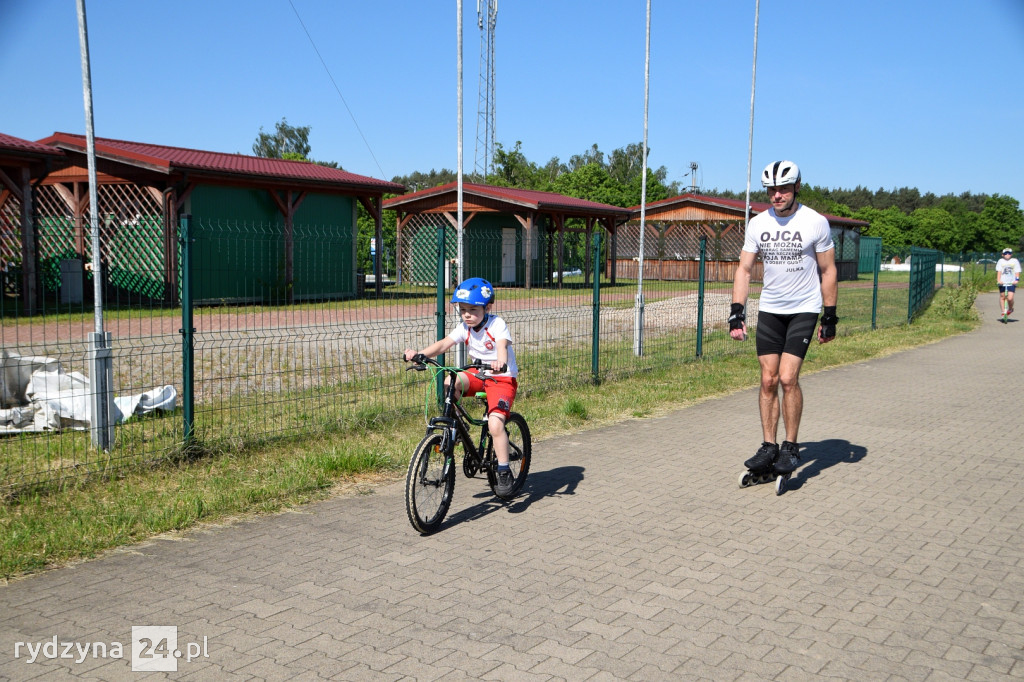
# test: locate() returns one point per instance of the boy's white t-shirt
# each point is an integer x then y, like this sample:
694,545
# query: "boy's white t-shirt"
483,344
1009,270
788,248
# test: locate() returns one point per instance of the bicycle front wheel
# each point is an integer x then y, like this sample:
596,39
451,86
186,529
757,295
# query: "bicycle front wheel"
429,485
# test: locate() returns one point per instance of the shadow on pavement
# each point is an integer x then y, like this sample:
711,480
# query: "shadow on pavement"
817,456
546,484
539,484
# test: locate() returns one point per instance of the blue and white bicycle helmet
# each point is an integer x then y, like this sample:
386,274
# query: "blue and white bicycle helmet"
474,291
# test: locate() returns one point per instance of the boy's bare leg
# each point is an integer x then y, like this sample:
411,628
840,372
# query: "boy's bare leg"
496,426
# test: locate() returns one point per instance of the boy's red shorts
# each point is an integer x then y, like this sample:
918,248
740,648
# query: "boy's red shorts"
501,391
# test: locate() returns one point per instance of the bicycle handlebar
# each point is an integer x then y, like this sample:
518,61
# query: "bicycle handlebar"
421,361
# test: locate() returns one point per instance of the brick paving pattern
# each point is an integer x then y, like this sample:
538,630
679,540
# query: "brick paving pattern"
632,554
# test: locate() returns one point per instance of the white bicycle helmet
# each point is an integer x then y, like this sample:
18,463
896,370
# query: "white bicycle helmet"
780,173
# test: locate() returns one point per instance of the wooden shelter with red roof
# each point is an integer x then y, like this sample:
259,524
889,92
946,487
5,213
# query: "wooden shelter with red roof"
23,163
250,206
675,226
517,235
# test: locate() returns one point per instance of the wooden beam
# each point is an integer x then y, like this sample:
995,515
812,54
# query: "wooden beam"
453,219
156,194
372,206
282,207
528,231
168,203
70,199
561,247
29,276
400,224
183,195
289,248
9,184
80,204
589,249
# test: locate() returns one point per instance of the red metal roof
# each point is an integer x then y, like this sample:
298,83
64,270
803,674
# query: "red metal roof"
735,204
16,144
171,159
530,198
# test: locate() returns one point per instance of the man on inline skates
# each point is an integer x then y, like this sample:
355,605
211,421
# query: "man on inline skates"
489,340
795,245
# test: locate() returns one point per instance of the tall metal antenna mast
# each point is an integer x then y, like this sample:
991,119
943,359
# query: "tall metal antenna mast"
693,176
487,19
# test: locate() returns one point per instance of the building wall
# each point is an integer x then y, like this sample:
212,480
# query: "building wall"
484,248
240,248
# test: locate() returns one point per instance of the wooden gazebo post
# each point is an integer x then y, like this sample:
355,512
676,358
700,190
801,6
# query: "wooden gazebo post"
287,207
560,221
530,226
30,294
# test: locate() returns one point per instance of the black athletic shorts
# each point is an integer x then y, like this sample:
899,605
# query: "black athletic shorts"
778,334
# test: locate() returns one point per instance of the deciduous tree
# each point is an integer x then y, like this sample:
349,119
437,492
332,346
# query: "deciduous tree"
286,139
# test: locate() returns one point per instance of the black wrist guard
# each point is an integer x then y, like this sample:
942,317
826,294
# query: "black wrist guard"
736,316
828,322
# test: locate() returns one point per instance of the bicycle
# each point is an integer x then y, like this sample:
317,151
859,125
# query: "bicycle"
430,483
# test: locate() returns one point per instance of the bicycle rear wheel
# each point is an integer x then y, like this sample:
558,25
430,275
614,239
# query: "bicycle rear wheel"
519,451
429,485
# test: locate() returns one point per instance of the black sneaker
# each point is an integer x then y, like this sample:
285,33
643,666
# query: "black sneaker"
764,458
789,458
505,483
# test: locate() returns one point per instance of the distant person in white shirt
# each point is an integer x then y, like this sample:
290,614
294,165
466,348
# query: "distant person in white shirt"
795,245
1007,276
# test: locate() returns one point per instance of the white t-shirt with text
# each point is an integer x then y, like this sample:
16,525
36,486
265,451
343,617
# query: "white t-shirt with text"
483,345
788,248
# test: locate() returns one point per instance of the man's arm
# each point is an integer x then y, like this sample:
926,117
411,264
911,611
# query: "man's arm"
741,283
740,289
829,294
829,277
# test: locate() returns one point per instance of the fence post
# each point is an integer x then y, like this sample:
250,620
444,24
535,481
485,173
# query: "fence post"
187,331
595,366
911,286
700,295
876,266
100,356
439,313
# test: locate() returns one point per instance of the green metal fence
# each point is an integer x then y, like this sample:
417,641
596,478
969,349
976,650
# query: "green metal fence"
870,255
276,336
922,279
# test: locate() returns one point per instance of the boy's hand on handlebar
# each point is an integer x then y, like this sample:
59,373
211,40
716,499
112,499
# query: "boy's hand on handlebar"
412,356
499,368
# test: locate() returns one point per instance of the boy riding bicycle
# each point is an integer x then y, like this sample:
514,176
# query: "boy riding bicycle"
488,339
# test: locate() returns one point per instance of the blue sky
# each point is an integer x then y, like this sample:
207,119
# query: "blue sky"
875,92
